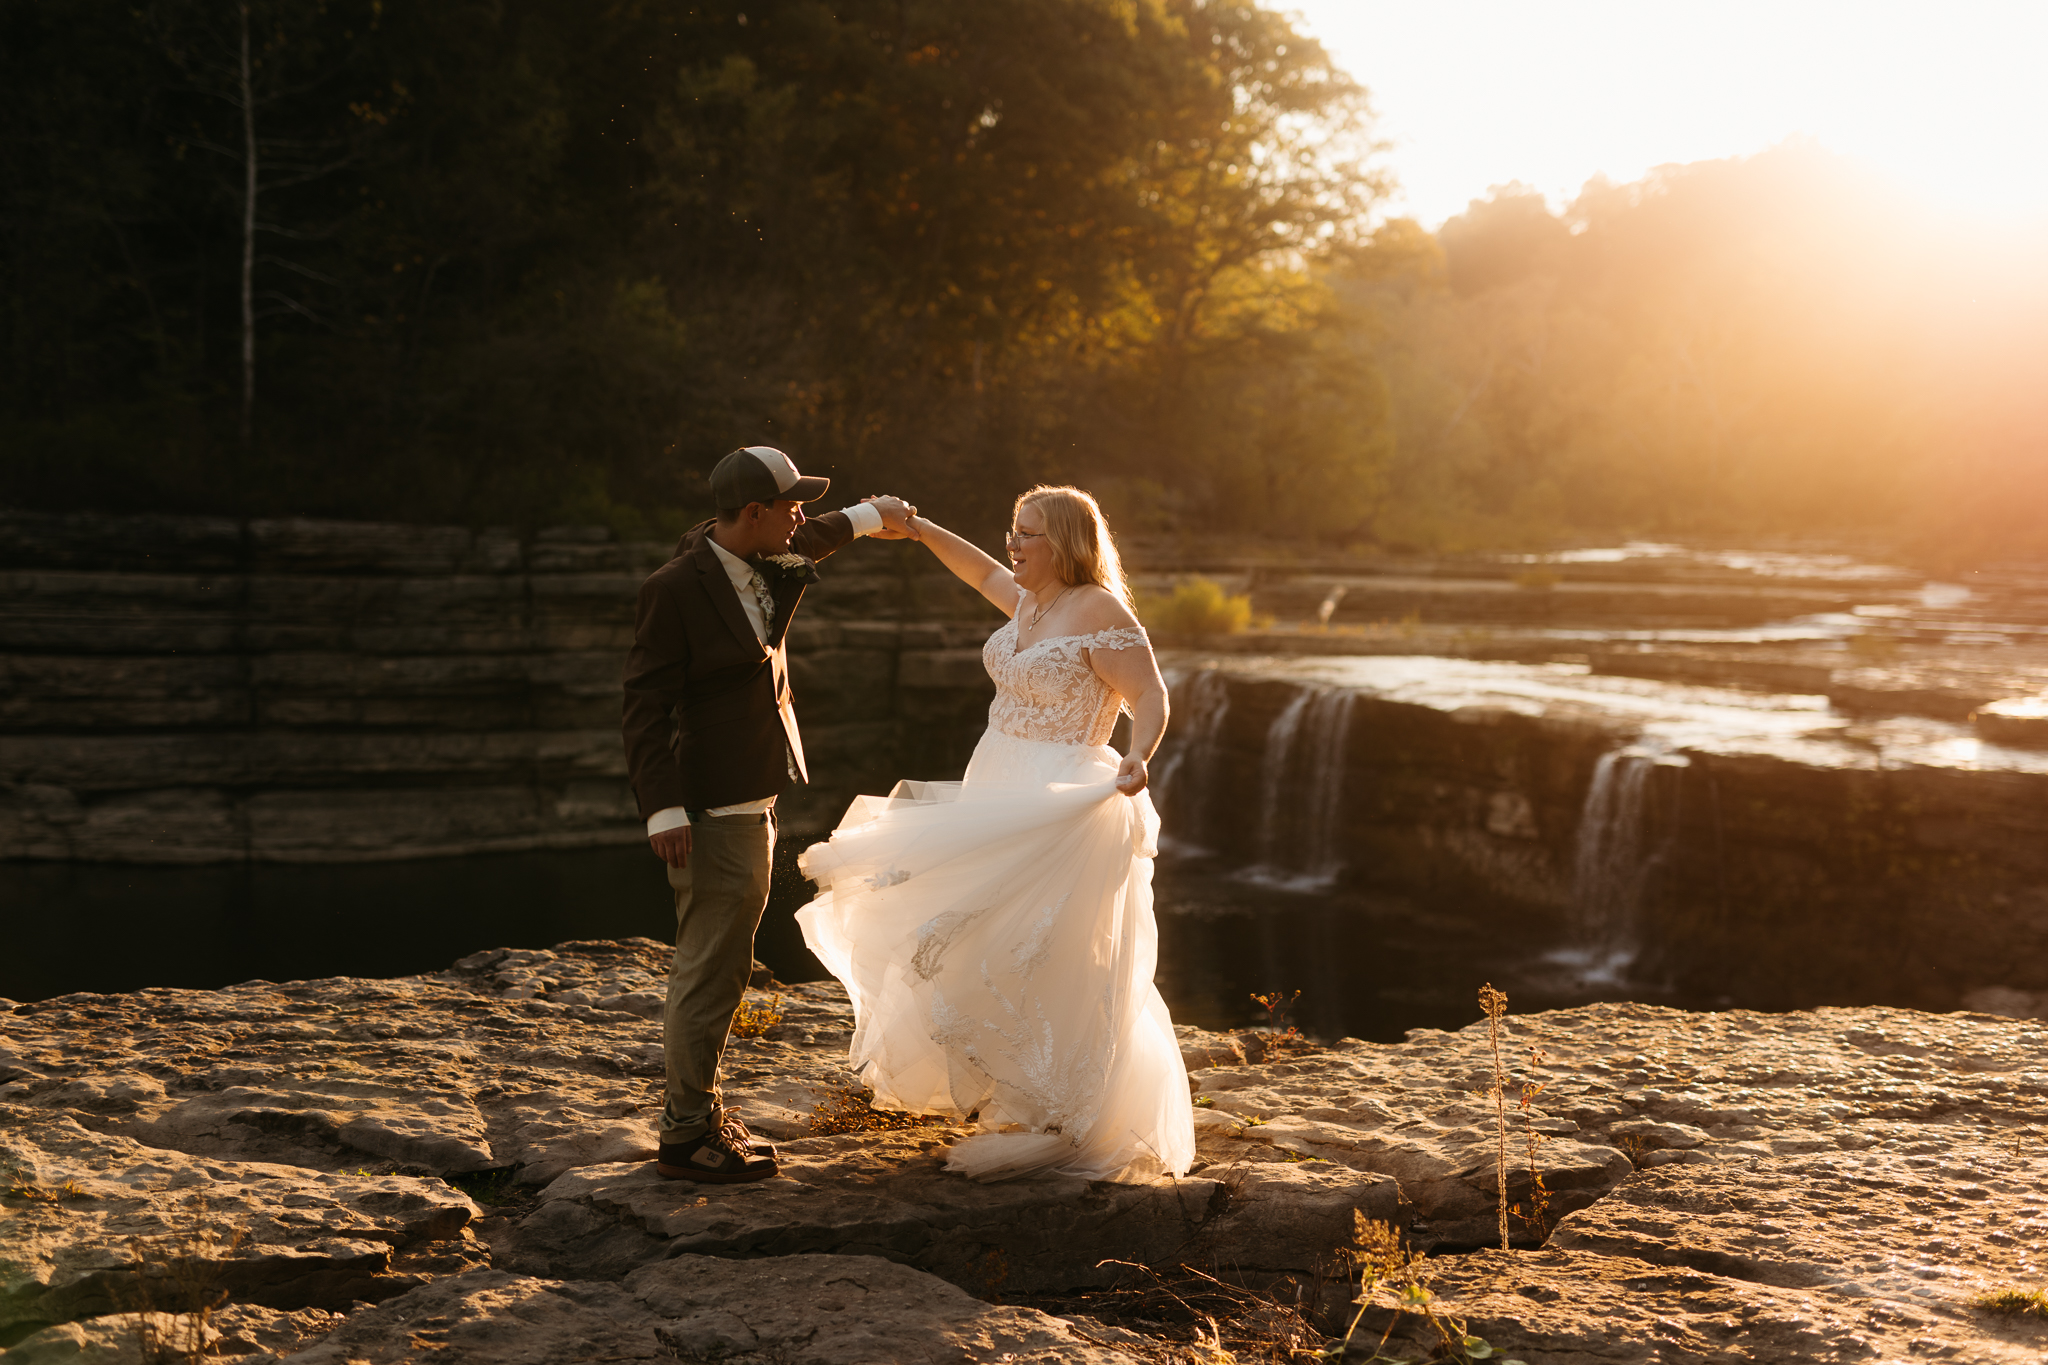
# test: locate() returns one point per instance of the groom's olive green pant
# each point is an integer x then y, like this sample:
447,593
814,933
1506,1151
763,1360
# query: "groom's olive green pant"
719,899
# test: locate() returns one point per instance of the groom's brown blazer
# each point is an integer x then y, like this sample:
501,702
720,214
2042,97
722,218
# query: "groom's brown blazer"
708,706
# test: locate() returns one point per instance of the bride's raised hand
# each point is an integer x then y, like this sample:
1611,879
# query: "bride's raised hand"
1131,776
896,514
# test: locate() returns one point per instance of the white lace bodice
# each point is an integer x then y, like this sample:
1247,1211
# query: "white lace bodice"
1048,692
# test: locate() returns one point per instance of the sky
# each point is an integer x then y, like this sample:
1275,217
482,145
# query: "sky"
1949,99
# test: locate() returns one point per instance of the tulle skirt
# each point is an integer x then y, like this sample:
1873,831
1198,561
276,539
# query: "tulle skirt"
997,938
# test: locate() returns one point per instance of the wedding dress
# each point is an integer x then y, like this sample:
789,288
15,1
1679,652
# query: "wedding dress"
996,935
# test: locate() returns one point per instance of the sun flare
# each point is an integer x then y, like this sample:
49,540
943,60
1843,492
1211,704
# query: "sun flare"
1944,100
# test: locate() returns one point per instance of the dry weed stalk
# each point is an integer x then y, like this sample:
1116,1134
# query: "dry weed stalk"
1226,1323
1535,1212
178,1286
1495,1003
1279,1034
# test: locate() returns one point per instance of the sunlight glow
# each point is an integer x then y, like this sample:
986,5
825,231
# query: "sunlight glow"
1944,99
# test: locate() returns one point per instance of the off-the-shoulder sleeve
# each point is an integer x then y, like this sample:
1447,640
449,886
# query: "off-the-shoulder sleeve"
1117,637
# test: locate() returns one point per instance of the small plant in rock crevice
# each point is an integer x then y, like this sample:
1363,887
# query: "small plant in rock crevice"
22,1186
1385,1262
751,1021
1277,1005
2030,1303
1279,1035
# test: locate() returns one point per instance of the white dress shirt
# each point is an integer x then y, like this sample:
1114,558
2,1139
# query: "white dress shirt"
866,521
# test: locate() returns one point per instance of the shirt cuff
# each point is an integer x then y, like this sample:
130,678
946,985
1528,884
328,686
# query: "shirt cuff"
662,821
866,520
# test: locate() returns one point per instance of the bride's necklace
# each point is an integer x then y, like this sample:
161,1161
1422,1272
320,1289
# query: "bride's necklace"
1039,615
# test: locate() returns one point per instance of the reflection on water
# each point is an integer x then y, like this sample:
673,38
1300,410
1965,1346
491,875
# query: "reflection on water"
1369,967
115,927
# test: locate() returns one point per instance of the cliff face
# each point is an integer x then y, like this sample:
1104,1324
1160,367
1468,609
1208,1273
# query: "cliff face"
193,690
1713,872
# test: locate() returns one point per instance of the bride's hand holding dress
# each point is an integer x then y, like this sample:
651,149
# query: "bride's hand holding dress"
996,935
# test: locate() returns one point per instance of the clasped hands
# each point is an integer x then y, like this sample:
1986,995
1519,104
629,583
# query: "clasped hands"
896,515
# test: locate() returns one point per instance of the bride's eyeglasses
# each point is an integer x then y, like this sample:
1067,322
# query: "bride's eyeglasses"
1017,537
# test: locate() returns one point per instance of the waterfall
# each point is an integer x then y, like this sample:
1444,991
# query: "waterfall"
1190,766
1618,852
1273,775
1301,790
1297,803
1329,721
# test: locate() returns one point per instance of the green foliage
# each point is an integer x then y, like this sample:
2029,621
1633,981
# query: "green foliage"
528,262
2031,1303
1196,606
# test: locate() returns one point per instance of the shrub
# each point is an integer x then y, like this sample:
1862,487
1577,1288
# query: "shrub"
1197,606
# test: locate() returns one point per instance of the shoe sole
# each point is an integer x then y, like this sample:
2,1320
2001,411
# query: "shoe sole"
745,1175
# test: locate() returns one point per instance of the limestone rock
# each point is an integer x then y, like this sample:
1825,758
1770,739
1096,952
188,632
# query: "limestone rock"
823,1310
1858,1224
97,1224
297,690
481,1069
118,1339
1560,1307
887,1194
1811,1186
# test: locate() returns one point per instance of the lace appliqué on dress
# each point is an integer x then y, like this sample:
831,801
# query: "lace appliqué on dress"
1035,947
1048,692
935,936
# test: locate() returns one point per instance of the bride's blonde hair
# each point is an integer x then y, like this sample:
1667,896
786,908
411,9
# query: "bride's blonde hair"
1083,551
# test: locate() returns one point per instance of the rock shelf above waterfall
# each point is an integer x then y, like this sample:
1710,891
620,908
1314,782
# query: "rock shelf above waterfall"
1710,844
1801,1187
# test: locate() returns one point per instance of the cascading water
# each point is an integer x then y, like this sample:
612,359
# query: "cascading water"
1301,790
1618,853
1273,774
1329,720
1190,767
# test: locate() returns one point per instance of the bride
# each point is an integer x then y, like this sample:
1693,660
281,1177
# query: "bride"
996,934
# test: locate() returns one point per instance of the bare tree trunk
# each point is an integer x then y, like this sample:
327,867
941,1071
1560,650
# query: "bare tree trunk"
248,234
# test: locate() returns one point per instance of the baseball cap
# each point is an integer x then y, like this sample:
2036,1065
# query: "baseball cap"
761,474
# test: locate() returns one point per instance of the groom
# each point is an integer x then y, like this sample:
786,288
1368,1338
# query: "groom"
710,742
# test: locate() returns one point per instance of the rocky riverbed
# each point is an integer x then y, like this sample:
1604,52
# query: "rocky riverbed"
456,1167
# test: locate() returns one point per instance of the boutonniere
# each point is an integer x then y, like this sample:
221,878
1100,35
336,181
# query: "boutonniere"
791,568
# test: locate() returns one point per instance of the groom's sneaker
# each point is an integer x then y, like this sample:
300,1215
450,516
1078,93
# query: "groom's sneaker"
726,1155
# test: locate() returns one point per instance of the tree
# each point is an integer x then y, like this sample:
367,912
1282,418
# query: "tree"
285,68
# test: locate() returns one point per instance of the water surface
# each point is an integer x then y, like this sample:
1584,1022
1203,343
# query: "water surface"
1367,966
